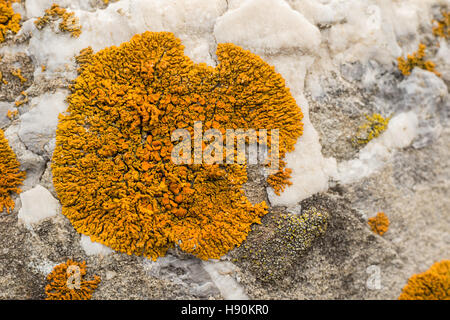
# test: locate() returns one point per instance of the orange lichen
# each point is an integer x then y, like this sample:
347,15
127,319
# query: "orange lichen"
433,284
380,223
112,166
12,114
18,103
18,73
442,28
66,282
109,1
9,20
70,23
10,175
417,59
2,79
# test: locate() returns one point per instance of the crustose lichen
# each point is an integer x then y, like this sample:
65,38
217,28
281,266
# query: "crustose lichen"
375,125
273,247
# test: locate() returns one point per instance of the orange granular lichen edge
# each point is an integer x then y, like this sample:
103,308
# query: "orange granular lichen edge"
9,20
379,224
69,23
112,165
10,175
433,284
442,28
12,114
57,288
417,59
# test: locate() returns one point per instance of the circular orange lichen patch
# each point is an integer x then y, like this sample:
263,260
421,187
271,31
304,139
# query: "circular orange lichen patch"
10,175
433,284
112,166
66,282
380,223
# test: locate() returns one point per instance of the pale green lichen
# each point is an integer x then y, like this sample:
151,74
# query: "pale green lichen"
275,245
372,128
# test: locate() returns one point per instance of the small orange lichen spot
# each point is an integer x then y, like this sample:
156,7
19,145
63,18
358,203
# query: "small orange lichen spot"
18,73
9,20
66,282
10,175
433,284
2,79
12,114
70,23
112,166
380,223
43,68
18,103
442,29
417,59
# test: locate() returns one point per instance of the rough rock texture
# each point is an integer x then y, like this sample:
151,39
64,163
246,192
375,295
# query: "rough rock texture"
339,60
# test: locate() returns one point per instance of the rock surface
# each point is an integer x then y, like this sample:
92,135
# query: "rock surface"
339,60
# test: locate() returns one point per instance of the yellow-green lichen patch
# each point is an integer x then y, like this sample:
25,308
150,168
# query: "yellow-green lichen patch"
375,125
433,284
66,282
10,175
69,22
9,20
112,166
417,59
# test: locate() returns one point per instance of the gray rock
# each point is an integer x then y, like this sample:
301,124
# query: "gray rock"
32,163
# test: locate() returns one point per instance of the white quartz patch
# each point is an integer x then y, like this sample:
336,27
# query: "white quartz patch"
310,169
315,11
38,126
92,248
267,26
221,273
37,205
